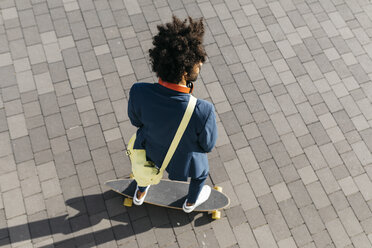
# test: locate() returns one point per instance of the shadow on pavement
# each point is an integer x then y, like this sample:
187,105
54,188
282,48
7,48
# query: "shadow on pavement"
89,226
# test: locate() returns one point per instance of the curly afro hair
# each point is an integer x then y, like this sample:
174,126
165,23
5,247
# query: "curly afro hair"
177,48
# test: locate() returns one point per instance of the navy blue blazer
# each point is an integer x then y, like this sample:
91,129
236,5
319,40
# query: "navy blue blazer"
157,112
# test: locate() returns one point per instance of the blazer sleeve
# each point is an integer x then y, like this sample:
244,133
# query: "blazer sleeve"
133,113
208,137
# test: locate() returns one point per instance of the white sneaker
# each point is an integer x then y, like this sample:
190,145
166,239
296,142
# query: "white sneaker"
203,196
140,201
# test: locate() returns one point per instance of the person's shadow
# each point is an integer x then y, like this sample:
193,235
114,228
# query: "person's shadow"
86,228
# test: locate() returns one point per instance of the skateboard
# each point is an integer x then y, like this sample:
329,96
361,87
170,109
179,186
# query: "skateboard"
170,194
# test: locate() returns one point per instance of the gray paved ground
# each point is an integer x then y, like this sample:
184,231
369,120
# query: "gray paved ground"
291,83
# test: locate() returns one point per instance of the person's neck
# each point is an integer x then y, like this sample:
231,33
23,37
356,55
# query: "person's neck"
182,82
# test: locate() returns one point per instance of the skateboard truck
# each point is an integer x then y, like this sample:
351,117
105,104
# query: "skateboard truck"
128,202
216,214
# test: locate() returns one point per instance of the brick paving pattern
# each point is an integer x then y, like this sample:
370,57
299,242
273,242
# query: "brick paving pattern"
291,81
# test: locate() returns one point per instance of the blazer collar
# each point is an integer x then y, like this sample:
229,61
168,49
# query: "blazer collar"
177,87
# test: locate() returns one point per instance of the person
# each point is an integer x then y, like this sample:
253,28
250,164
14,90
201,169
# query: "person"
156,109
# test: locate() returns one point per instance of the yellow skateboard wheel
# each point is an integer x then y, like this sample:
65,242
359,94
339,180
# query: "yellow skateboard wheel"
216,215
218,188
128,202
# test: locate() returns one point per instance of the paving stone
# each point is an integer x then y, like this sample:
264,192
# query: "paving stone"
312,219
268,132
22,149
77,77
81,92
280,192
54,125
319,134
307,175
315,157
10,93
339,200
235,172
278,226
108,121
43,156
8,164
79,150
362,152
34,204
39,139
246,196
35,121
279,154
9,181
352,163
350,222
98,90
4,231
289,173
49,104
301,235
51,188
75,132
363,183
206,237
255,217
78,224
296,93
259,149
39,227
261,116
115,146
230,122
89,118
70,116
19,232
13,203
242,113
247,159
290,213
101,160
17,126
322,239
186,239
30,185
13,107
337,233
71,187
259,184
65,100
268,203
232,93
71,57
291,144
264,237
41,68
94,137
271,172
318,195
87,175
306,141
327,180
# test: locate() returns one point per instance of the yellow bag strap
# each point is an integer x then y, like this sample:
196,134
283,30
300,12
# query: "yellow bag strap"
181,129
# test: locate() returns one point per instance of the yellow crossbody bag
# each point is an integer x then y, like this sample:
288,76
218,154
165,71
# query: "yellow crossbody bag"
145,172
